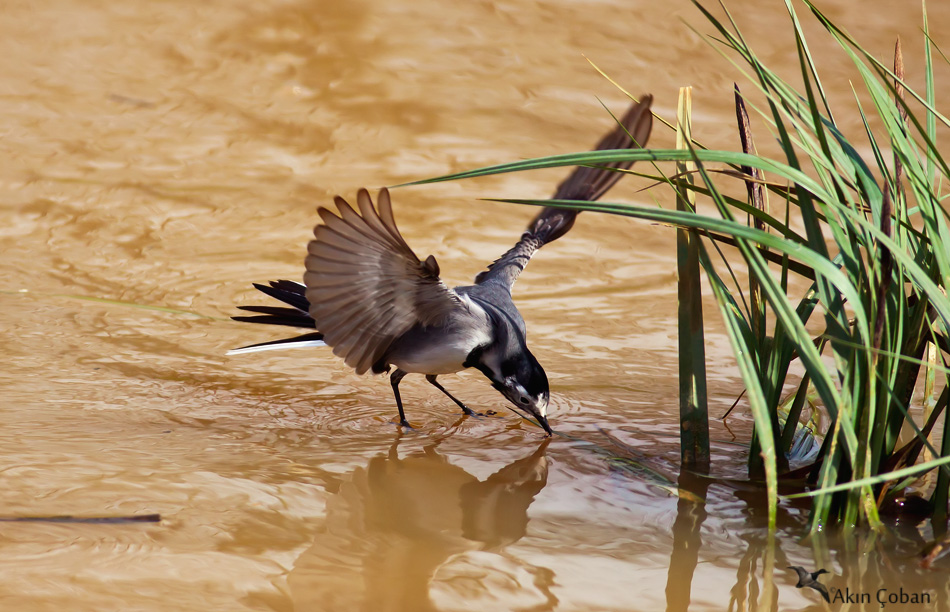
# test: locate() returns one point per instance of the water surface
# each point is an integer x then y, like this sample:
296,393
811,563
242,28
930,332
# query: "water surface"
167,154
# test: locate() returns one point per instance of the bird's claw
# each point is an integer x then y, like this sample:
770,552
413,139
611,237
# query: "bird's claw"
469,412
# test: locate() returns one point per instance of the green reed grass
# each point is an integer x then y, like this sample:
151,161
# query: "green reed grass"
876,248
694,414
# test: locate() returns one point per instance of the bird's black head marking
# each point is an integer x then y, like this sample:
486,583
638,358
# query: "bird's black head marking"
522,380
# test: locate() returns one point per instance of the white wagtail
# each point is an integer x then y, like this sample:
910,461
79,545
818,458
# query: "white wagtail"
378,305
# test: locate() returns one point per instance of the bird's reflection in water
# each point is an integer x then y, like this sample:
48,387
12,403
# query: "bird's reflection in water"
418,533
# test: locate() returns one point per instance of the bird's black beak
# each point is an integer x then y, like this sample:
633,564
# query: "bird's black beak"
543,421
532,416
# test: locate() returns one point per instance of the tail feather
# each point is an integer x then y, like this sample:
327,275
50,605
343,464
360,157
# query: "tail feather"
304,341
277,315
272,310
278,320
289,293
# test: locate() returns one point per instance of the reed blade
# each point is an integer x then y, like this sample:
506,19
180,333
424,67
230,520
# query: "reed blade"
694,417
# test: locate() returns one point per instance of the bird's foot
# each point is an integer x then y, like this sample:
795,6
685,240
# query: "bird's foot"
469,412
405,425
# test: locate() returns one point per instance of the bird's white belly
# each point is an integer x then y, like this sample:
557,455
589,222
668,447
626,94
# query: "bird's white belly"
437,357
443,350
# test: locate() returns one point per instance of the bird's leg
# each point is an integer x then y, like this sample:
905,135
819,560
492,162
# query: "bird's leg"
394,379
432,380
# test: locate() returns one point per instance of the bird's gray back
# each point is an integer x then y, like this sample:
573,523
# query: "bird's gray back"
495,298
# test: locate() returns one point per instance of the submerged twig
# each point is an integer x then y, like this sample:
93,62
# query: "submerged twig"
86,520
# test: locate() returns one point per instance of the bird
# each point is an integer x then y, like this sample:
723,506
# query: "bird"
383,309
810,580
390,526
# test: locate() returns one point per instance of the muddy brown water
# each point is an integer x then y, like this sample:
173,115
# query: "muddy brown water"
167,154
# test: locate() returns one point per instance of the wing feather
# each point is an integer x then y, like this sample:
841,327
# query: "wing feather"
363,227
326,252
373,220
584,183
386,216
365,285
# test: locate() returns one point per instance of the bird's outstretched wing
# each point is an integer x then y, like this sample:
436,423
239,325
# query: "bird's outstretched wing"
802,574
588,183
365,285
584,183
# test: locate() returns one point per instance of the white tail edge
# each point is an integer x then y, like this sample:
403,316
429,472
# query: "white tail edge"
274,347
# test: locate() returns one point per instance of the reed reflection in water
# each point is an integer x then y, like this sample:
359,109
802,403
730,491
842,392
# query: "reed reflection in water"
863,567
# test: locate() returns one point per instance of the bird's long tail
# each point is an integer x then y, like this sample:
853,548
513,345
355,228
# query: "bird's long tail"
589,183
298,315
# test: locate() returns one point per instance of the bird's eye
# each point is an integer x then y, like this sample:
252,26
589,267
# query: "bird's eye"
523,400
